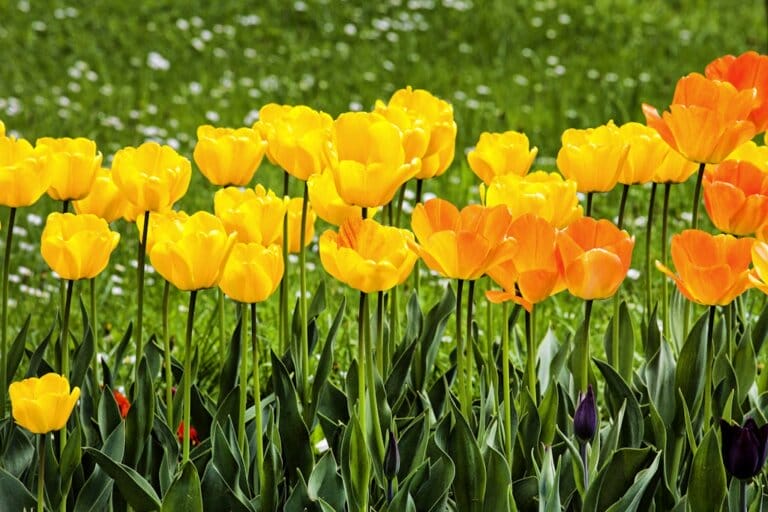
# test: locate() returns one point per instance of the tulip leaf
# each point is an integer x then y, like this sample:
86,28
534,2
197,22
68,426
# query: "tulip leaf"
547,356
325,365
630,501
123,345
36,359
325,483
548,414
432,493
549,488
356,465
760,330
412,444
429,341
97,491
652,338
626,345
108,412
82,358
18,452
16,352
745,365
137,492
230,369
660,381
618,392
184,493
401,368
691,364
707,482
213,487
497,489
70,457
15,494
615,478
332,414
141,415
469,481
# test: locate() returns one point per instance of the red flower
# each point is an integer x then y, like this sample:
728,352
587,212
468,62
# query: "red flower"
122,403
193,439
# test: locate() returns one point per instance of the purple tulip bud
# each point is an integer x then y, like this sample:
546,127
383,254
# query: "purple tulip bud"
585,417
744,448
391,458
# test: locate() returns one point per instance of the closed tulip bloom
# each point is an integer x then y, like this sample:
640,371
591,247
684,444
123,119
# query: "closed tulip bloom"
748,70
546,195
327,203
594,256
736,197
585,416
43,405
707,119
297,138
227,156
24,177
256,215
647,152
368,256
593,158
252,272
428,128
711,270
499,154
195,260
744,448
72,164
533,270
462,244
104,199
123,405
368,161
151,177
293,210
165,225
77,246
752,153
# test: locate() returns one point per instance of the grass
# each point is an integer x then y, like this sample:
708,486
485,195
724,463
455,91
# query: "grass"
125,72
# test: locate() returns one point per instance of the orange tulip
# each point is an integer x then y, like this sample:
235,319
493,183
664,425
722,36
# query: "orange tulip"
748,70
499,154
707,118
711,270
593,158
594,256
736,197
533,268
462,245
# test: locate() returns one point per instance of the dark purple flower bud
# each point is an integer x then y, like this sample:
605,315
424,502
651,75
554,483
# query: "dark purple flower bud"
391,458
744,448
585,417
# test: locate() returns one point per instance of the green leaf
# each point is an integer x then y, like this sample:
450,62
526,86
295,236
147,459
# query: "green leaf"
469,482
691,366
230,369
615,478
413,442
549,488
617,393
745,365
326,484
36,359
137,492
660,380
707,483
14,495
123,345
82,358
548,414
16,352
432,493
498,484
356,464
631,500
626,343
141,415
547,357
70,458
325,364
429,341
19,451
760,330
184,494
108,412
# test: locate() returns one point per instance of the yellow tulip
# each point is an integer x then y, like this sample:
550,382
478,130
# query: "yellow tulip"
593,158
228,157
293,210
327,203
252,272
152,177
194,260
24,176
77,246
752,153
368,256
72,164
646,153
297,138
546,195
428,128
498,154
104,200
43,405
165,225
2,129
256,215
368,160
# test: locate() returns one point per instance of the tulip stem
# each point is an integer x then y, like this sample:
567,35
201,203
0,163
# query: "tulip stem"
584,464
589,204
461,361
400,198
392,338
4,320
304,358
696,196
664,289
585,354
361,378
140,292
243,376
708,368
530,367
416,272
94,328
743,495
41,473
623,205
648,234
64,345
188,376
371,377
470,347
283,323
222,327
380,332
257,398
616,297
508,441
167,356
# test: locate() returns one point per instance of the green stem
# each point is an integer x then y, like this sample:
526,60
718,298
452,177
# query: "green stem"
400,198
167,355
508,441
41,473
469,344
304,358
188,376
283,323
648,235
530,367
696,196
222,327
589,203
584,464
416,267
708,369
243,377
616,297
64,345
4,320
371,383
461,362
140,292
585,356
743,495
94,328
257,397
664,287
380,332
393,327
361,379
622,206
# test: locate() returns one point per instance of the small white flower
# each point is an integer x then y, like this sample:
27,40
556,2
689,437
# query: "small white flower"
158,62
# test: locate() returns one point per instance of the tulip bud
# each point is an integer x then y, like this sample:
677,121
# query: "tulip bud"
585,417
392,458
744,448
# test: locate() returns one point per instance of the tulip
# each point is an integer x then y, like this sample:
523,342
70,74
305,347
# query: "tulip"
500,154
391,463
711,270
293,207
195,260
104,199
368,256
297,138
747,71
256,215
24,176
736,197
758,277
707,119
593,158
194,439
77,246
151,177
368,161
2,129
744,448
123,405
428,128
327,203
594,256
43,405
546,195
752,153
585,417
165,225
72,164
462,245
228,157
252,272
646,155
